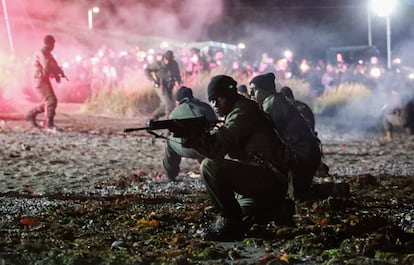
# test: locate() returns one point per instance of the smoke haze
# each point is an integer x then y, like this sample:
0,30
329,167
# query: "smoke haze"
117,24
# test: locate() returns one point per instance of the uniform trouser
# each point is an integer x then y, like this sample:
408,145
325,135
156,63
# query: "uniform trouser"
303,172
391,120
164,93
172,158
224,178
49,103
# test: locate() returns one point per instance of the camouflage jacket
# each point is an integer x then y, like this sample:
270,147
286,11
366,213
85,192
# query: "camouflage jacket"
46,67
164,72
191,108
291,125
246,134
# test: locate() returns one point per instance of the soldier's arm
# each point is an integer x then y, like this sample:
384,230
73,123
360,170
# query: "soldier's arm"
177,73
150,70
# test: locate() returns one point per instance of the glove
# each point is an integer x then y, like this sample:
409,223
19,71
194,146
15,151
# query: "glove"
155,84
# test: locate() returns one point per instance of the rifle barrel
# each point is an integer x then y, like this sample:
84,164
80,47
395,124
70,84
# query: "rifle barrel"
135,129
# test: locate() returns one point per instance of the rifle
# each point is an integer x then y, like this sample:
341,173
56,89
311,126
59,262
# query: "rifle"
179,127
60,74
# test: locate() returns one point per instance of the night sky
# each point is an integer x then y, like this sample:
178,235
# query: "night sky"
305,26
309,27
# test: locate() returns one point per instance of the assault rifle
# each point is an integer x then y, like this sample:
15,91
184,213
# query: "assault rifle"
179,127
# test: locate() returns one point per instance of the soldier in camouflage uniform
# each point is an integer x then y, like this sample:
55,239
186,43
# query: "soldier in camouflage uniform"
307,113
188,107
245,157
302,107
305,153
46,68
164,75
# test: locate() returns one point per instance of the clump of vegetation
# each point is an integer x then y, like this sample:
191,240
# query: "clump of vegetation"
135,96
121,103
132,97
339,96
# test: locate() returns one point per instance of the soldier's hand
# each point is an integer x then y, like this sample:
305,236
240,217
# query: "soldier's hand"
155,84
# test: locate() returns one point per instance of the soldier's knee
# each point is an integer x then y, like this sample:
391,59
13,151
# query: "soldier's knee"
207,167
205,164
51,101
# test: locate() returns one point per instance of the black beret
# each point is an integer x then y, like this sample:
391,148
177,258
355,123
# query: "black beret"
183,92
265,81
221,85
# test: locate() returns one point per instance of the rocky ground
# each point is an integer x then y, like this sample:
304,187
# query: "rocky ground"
92,194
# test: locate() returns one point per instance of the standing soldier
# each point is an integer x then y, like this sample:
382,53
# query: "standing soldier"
46,68
164,75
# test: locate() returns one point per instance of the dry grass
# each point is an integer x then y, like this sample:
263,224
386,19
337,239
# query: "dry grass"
339,96
135,96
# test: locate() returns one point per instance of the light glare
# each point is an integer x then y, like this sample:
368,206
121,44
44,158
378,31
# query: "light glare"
383,7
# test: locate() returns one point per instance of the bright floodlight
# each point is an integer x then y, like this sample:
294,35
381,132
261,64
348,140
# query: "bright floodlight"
241,46
288,54
383,7
91,11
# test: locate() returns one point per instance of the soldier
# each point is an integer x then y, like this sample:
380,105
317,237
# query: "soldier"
309,117
305,153
256,169
188,107
397,113
164,74
302,107
242,90
46,68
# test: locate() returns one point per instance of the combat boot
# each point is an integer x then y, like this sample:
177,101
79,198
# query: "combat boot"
231,229
280,212
50,125
410,133
31,117
387,137
320,191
